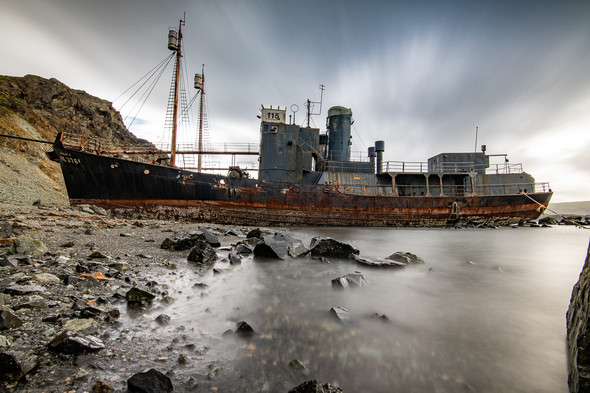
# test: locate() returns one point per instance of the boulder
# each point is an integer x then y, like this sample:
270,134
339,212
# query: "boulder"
351,280
234,258
405,257
578,333
8,320
280,245
28,246
378,262
328,247
314,386
151,381
139,295
340,313
74,343
21,290
210,238
13,366
244,329
202,254
548,221
183,241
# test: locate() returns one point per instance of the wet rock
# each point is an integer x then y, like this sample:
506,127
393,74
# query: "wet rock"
34,302
234,232
351,280
381,317
255,233
28,246
340,313
210,238
244,329
378,262
74,343
83,325
578,332
8,320
328,247
279,245
13,366
234,258
21,290
183,241
163,319
314,386
151,381
138,295
406,257
548,221
203,254
243,249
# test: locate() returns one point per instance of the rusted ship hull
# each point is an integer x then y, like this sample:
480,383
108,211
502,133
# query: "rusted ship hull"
113,183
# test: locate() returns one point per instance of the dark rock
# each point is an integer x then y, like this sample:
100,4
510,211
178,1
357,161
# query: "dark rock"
14,365
328,247
234,232
578,332
256,233
163,319
151,381
210,238
74,343
548,221
203,254
139,295
90,312
125,234
340,313
95,254
298,367
21,290
243,249
8,320
382,317
9,262
314,386
234,259
405,257
378,262
5,230
351,280
279,245
244,329
183,241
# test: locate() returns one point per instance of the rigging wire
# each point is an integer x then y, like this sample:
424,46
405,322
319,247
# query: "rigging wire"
146,94
150,73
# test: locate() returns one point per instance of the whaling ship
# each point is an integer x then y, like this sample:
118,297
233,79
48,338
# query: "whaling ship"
306,177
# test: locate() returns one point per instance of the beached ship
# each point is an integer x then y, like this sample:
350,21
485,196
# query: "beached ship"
306,177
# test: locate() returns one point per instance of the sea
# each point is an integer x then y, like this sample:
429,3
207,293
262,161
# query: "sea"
486,312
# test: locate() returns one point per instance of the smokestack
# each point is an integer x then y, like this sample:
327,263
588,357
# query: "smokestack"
379,148
372,156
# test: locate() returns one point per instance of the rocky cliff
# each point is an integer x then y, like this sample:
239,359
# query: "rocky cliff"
39,108
578,333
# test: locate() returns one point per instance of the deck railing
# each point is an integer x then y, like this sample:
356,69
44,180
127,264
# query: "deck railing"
450,167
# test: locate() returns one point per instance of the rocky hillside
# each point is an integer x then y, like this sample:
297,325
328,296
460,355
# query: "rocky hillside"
38,108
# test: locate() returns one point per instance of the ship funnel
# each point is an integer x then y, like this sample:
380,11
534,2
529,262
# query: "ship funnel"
339,121
372,155
379,148
172,40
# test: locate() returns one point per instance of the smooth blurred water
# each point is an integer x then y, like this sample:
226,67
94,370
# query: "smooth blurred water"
485,313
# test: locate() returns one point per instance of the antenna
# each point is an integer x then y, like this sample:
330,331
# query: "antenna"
309,104
475,148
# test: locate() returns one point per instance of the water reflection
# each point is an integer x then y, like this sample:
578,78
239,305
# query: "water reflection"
486,313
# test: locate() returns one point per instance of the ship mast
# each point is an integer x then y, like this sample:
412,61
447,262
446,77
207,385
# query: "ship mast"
201,116
176,88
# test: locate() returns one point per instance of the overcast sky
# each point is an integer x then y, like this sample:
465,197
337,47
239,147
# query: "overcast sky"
420,75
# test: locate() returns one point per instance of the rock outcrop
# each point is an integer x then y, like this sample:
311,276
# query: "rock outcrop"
38,108
578,333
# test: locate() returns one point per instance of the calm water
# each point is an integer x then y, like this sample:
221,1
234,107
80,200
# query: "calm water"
486,313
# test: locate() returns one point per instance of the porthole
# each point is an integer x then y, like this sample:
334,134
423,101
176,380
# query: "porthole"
146,171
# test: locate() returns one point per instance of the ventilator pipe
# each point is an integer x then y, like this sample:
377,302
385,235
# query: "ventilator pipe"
379,148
